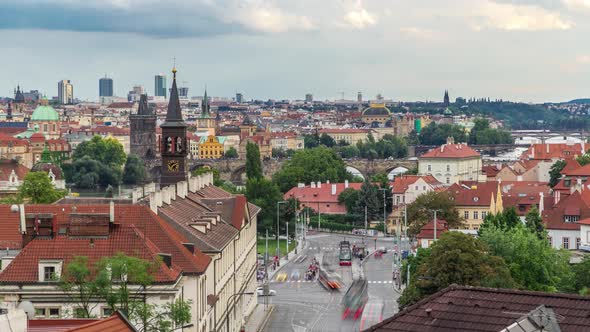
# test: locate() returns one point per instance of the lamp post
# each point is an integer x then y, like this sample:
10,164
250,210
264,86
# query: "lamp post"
384,210
234,306
278,216
435,211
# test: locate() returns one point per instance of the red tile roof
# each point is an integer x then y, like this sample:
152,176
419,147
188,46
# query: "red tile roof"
137,230
427,231
471,193
56,325
10,236
115,323
553,151
309,196
574,204
452,151
466,309
580,171
7,166
401,183
570,165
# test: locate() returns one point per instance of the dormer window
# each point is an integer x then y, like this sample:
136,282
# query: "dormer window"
49,270
571,219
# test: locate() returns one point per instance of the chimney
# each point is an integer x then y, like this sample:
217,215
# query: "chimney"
547,144
23,220
583,145
301,185
165,195
319,184
333,189
345,184
167,259
190,247
328,182
112,212
312,184
541,203
556,197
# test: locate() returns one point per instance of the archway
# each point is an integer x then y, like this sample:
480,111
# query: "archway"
238,175
355,172
393,172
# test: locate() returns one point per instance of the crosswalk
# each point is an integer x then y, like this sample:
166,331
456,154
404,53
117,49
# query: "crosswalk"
323,248
382,282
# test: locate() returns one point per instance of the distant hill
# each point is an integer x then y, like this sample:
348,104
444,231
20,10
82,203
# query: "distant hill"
580,101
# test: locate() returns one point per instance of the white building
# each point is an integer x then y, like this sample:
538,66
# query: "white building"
65,92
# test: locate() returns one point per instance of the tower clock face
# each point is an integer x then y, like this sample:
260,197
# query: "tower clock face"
173,166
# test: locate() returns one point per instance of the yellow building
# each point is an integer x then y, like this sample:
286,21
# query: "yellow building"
350,136
211,147
377,113
475,200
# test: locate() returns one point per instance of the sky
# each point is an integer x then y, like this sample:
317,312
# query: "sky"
520,50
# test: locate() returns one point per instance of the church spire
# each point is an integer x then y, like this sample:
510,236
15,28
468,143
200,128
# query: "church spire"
205,104
174,113
143,108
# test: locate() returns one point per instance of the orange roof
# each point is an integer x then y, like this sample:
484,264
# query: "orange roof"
551,151
452,151
343,131
580,171
401,183
115,323
471,193
570,165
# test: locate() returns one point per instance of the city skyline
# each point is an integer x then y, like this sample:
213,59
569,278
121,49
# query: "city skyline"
514,50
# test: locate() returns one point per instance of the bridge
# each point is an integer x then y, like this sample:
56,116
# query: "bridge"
490,149
234,170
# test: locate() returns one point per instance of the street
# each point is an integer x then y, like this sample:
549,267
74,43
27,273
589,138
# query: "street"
305,306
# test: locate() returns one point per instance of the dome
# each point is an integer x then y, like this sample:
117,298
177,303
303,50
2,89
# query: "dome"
45,113
377,110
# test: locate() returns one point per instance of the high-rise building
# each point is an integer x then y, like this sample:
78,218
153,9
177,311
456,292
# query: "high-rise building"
174,142
239,98
65,92
309,98
105,87
359,97
135,94
160,86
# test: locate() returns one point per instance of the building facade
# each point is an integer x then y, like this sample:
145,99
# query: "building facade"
142,133
105,87
65,92
451,163
160,86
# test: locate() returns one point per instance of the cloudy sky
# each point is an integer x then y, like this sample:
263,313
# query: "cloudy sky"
527,50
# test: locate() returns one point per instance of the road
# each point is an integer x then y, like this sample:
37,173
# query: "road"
305,306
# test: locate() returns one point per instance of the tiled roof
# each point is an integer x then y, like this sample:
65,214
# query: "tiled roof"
10,236
6,168
401,183
470,193
577,203
137,230
465,308
56,325
451,151
551,151
580,171
310,196
115,323
427,231
490,170
570,165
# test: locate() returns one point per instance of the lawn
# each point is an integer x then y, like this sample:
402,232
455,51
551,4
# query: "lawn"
272,246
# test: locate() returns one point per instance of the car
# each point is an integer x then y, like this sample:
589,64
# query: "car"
282,276
383,250
260,292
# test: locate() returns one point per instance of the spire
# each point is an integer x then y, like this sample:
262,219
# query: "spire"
46,155
174,113
205,104
143,108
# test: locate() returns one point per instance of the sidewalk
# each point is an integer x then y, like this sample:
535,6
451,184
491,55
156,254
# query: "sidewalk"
283,261
259,318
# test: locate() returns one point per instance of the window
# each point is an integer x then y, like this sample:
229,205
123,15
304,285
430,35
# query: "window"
107,312
416,187
44,128
47,312
429,168
565,242
578,243
48,273
571,219
54,312
475,215
448,180
40,312
423,187
550,241
466,215
484,214
448,168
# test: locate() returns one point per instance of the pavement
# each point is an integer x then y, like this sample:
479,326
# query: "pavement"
259,318
304,306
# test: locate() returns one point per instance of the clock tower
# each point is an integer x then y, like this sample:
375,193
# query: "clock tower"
174,144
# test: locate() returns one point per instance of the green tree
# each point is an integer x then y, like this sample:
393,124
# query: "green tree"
420,211
253,163
78,284
555,172
134,172
369,199
265,194
90,173
435,134
105,150
38,189
349,151
231,153
533,263
319,164
456,258
506,219
349,198
327,140
582,276
311,141
534,223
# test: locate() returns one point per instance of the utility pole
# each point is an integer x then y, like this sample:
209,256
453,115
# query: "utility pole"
365,223
278,232
319,217
384,211
265,287
287,239
406,223
435,211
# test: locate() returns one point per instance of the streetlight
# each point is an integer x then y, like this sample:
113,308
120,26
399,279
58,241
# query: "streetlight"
435,211
384,209
278,216
227,306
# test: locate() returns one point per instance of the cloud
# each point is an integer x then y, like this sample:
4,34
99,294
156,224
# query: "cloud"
359,19
577,4
419,33
508,16
583,59
176,18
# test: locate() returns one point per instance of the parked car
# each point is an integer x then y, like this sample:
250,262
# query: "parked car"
260,292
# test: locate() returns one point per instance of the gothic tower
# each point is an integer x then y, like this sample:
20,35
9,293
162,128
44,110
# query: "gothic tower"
143,131
447,101
174,142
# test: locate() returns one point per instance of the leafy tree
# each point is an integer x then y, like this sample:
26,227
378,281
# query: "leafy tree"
555,172
456,258
253,163
38,189
78,284
435,134
327,140
368,197
105,150
349,198
311,141
506,219
319,164
534,223
90,173
264,194
420,211
279,153
533,263
349,151
231,153
582,276
134,172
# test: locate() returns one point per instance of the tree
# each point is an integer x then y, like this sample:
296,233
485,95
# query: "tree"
90,173
319,164
420,211
555,172
435,134
456,258
311,141
534,223
134,172
38,189
369,199
506,219
105,150
253,163
349,198
582,276
533,263
231,153
265,194
278,153
327,140
120,281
